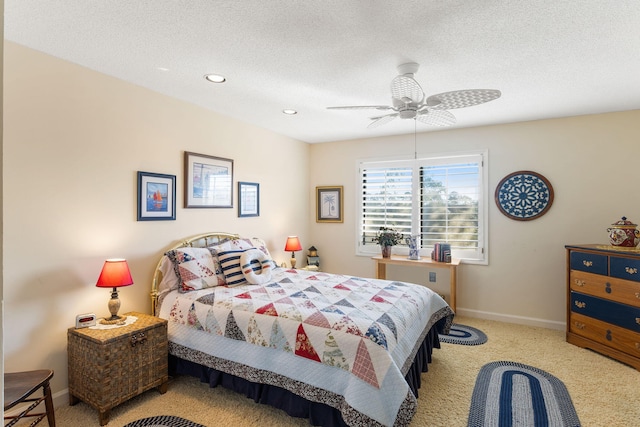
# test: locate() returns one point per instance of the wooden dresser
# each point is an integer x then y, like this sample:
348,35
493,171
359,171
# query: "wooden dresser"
110,366
603,300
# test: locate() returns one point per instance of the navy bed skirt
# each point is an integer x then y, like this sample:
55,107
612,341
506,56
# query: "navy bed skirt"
318,414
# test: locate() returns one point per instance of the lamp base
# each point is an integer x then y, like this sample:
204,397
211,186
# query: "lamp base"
293,262
119,320
114,306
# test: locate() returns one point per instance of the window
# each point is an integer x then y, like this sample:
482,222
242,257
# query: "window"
441,199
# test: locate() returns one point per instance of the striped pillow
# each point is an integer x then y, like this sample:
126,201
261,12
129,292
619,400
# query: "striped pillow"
243,243
230,265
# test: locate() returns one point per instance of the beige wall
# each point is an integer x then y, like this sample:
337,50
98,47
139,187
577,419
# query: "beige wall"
73,142
591,162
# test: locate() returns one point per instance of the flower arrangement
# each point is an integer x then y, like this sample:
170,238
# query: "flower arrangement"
387,237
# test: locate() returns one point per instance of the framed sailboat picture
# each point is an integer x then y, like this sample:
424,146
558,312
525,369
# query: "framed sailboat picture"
156,197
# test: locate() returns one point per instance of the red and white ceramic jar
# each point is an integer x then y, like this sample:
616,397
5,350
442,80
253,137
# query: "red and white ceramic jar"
624,233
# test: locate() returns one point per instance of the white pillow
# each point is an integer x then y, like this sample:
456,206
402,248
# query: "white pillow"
255,266
170,281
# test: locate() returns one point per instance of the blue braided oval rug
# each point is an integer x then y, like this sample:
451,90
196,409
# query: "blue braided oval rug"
163,421
512,394
465,335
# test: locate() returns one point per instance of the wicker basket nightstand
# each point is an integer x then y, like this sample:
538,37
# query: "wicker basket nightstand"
110,366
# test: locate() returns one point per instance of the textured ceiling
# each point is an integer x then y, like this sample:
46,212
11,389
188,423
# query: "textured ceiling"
549,58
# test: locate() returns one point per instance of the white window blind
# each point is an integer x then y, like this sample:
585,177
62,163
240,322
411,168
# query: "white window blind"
387,199
442,199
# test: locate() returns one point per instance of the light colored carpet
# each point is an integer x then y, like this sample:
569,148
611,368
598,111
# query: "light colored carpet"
604,392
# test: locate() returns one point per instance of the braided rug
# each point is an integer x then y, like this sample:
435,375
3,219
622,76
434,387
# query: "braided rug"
163,421
465,335
512,394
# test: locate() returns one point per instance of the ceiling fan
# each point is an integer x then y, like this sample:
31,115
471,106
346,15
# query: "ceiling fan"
409,101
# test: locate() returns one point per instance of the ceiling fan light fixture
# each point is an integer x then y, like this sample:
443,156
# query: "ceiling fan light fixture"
215,78
289,112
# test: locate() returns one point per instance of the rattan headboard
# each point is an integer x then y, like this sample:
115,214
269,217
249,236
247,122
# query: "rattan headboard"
199,241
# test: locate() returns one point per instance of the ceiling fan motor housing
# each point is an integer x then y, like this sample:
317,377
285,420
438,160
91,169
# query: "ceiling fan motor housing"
408,113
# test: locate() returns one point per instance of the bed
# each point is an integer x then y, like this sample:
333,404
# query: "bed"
338,350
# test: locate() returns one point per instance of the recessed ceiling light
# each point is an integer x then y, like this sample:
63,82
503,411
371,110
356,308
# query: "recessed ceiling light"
162,69
289,111
215,78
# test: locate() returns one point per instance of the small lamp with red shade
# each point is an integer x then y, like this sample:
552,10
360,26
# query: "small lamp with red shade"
115,273
293,245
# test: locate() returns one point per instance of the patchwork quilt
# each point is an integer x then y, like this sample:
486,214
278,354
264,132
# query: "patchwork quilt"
352,336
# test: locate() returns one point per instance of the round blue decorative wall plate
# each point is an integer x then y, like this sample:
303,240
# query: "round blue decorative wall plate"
524,195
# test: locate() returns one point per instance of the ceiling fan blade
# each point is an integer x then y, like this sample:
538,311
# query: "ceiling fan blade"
362,107
406,89
461,98
378,121
436,117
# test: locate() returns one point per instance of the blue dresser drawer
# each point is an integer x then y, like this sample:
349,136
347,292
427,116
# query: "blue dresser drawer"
625,316
625,268
592,263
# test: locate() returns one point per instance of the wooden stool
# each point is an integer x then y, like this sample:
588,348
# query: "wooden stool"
18,386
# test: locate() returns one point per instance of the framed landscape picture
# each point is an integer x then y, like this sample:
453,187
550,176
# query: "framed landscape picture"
248,199
329,204
156,197
208,181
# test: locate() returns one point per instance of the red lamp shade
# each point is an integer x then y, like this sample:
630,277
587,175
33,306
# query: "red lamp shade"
293,244
115,273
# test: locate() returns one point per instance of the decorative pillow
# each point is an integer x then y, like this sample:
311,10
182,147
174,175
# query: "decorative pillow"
170,280
258,243
230,245
230,265
242,243
197,268
255,266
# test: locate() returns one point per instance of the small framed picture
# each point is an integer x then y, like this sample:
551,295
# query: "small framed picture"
156,197
248,199
329,204
208,181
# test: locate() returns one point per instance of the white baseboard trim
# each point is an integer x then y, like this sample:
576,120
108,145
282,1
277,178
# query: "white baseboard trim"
60,398
507,318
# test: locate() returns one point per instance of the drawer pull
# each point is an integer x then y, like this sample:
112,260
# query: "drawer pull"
607,287
579,282
136,339
580,304
587,263
631,270
579,325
